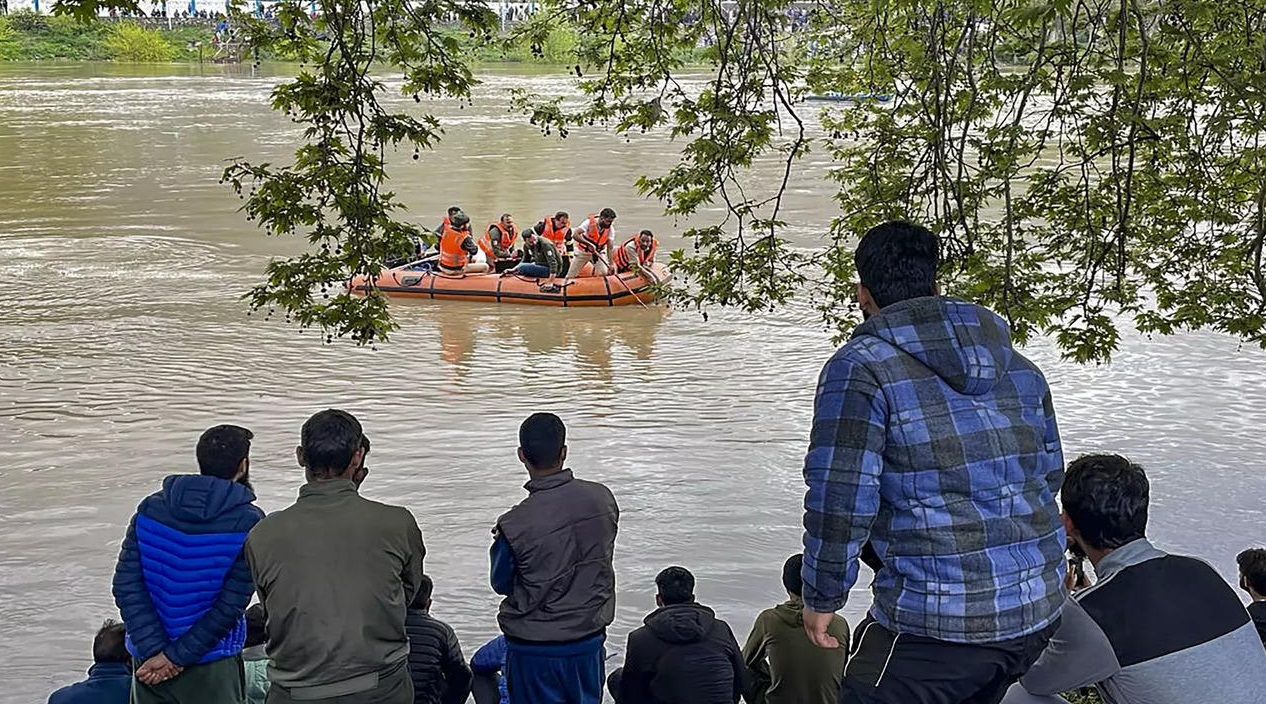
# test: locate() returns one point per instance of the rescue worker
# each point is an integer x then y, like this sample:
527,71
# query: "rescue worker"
502,234
457,247
448,218
593,244
497,243
557,229
637,254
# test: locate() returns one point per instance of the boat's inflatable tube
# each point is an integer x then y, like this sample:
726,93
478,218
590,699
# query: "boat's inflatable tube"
495,288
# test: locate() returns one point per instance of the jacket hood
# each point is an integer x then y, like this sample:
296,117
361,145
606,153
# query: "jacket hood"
198,498
791,613
681,623
966,345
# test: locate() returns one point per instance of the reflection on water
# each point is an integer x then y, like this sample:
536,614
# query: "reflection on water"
123,336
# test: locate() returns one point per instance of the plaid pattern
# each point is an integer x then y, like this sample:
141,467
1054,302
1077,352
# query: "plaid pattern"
937,441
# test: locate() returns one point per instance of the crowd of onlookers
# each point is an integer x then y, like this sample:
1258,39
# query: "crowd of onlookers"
934,458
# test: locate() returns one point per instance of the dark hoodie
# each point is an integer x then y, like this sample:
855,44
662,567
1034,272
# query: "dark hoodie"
936,439
785,667
181,583
683,655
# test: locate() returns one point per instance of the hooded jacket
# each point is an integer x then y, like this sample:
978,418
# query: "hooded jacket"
181,583
785,667
936,440
683,655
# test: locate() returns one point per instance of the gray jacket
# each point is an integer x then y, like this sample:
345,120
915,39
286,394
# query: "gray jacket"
563,539
1155,629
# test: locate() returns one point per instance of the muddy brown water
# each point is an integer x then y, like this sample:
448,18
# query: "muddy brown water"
122,337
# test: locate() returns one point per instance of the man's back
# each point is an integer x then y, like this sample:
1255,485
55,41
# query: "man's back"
181,552
1157,629
797,671
948,437
335,572
563,541
439,671
683,655
107,683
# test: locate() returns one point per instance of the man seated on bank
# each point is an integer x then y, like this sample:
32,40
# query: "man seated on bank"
1156,628
540,258
457,246
593,244
637,254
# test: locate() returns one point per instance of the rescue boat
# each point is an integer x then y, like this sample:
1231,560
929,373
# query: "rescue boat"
613,290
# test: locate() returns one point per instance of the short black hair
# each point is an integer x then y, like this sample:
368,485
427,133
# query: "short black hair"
542,438
221,450
1252,564
330,439
897,261
791,579
1106,497
504,216
256,626
453,209
607,213
676,586
562,215
647,232
426,588
110,643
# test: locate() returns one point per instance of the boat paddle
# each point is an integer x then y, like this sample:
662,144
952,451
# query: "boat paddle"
619,278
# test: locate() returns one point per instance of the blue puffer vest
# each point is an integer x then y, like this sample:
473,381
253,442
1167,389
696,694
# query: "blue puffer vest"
189,535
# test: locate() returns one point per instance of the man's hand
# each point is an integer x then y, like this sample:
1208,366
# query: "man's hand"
157,669
815,624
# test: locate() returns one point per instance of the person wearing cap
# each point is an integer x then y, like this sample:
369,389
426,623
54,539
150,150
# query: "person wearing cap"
448,218
593,240
457,246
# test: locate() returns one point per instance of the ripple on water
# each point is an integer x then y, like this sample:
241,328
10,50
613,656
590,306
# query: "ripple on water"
122,263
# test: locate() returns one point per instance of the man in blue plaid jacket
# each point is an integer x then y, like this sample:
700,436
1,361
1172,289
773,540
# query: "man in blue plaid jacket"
936,441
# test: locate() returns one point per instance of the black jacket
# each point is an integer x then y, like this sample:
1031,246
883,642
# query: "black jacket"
440,673
683,655
1257,611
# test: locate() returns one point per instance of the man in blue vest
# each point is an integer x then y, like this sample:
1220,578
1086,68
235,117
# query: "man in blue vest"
182,583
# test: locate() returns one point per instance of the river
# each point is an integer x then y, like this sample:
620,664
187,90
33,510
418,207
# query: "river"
122,337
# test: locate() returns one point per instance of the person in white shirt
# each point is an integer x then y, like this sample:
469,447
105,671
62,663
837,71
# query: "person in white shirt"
593,239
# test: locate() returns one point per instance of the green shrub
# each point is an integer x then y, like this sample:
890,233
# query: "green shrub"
10,47
28,21
133,43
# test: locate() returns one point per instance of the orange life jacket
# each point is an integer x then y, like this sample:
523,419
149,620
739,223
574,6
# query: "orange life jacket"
596,239
485,244
452,256
622,262
508,233
557,236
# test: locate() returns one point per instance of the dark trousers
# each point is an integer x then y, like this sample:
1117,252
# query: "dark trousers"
219,682
394,687
555,674
904,669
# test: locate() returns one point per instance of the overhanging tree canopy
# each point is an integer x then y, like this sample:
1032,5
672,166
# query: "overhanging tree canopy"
1087,164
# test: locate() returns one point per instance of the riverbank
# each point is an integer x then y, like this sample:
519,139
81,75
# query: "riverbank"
28,37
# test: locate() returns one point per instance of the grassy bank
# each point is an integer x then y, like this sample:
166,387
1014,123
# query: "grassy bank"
26,36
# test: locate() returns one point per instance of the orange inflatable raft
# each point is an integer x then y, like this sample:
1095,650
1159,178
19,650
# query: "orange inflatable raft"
512,288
